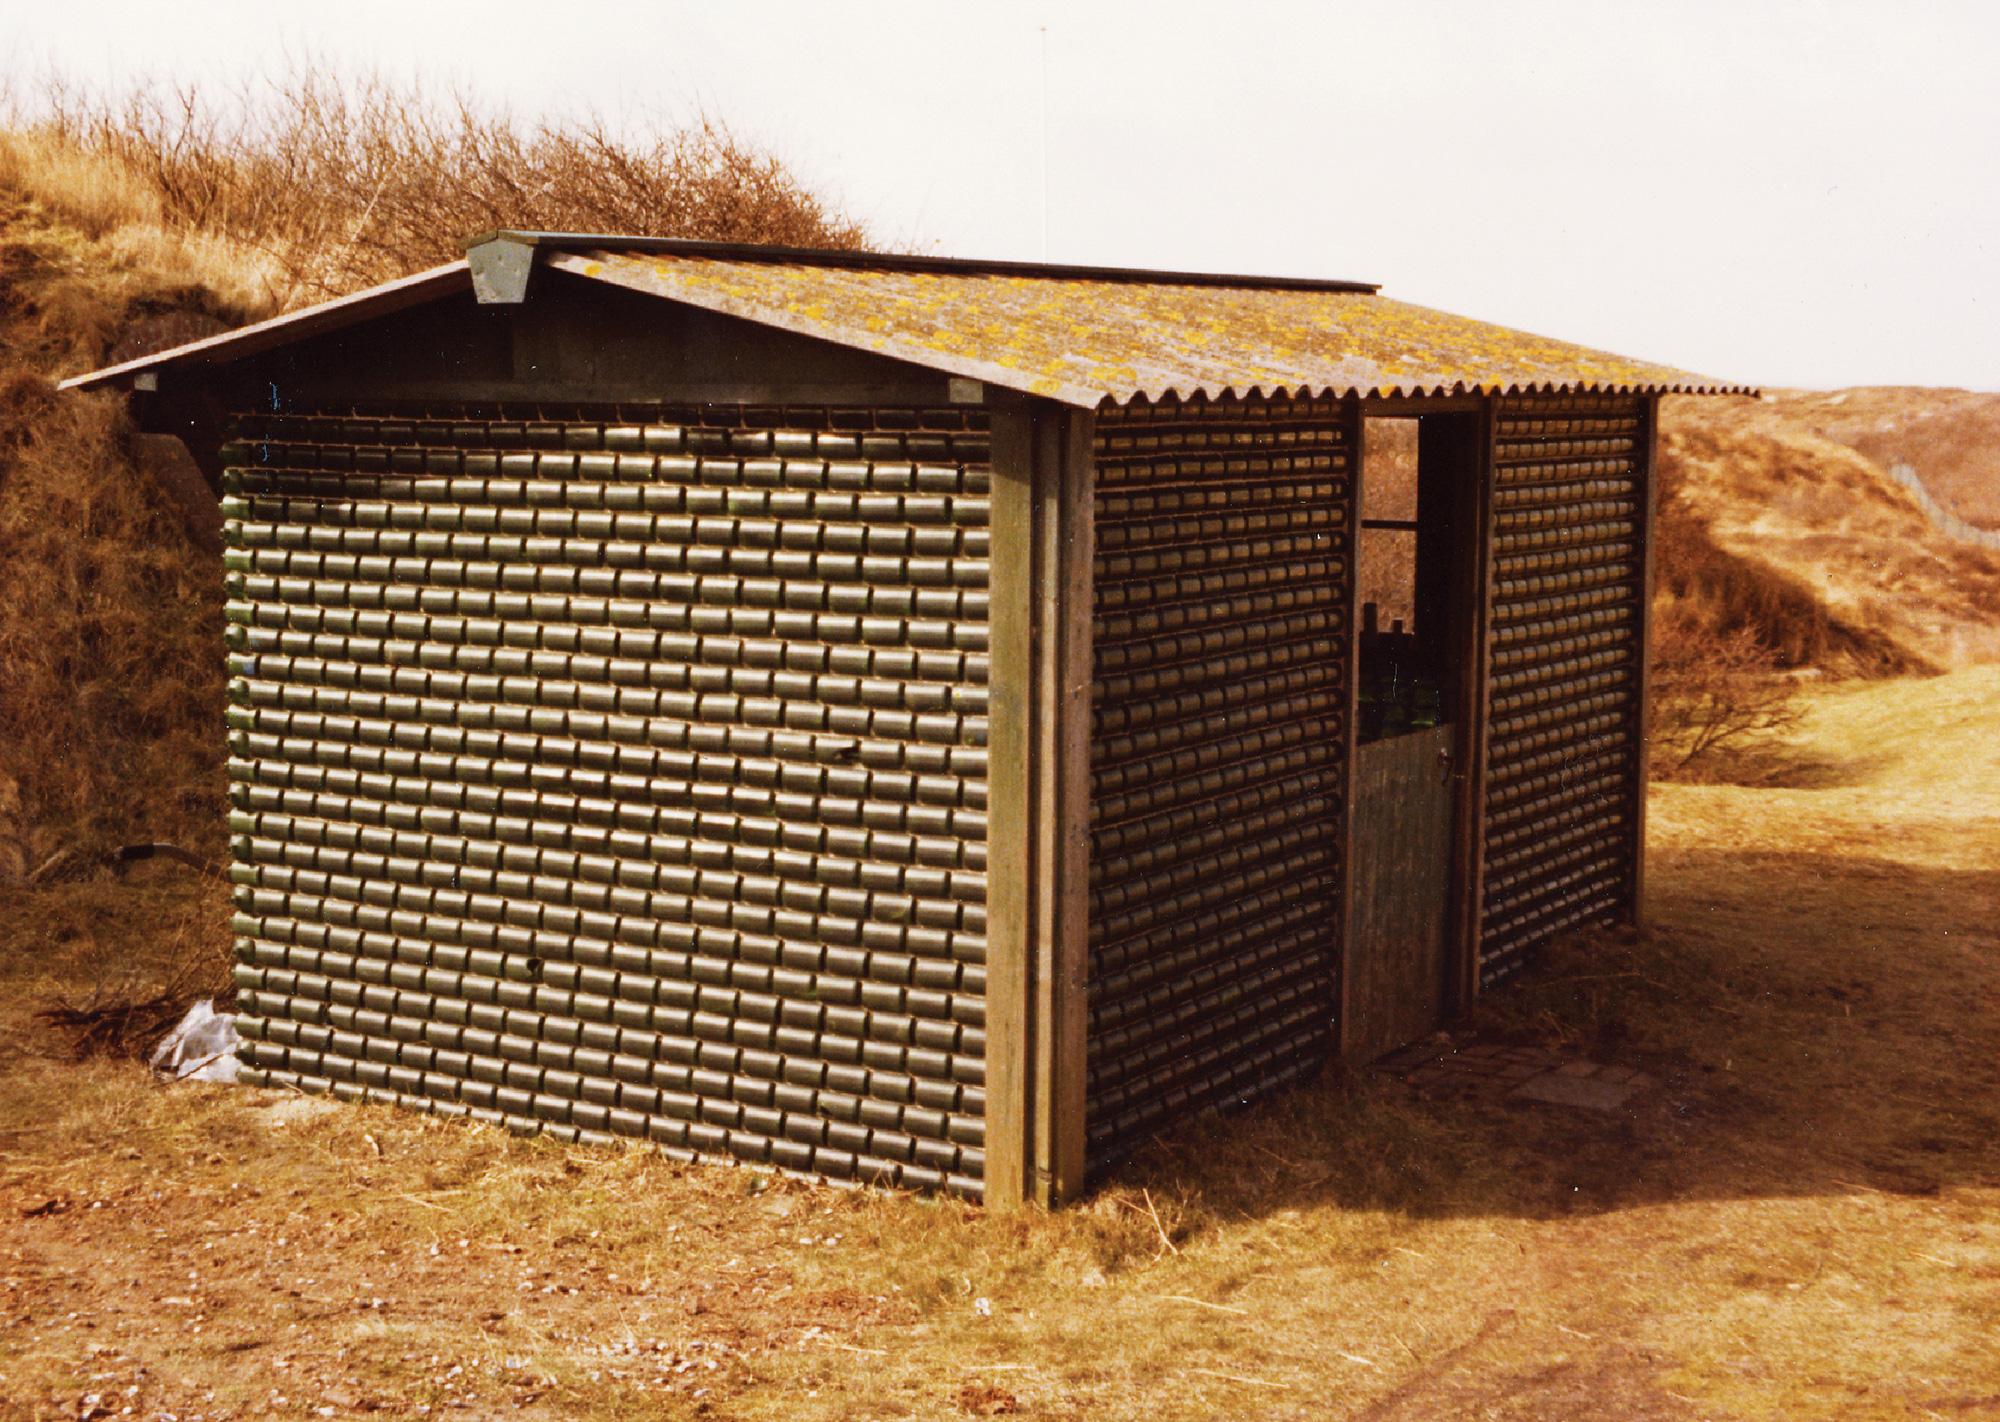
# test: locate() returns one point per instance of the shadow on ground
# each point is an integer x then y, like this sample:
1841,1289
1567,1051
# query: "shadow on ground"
1808,1024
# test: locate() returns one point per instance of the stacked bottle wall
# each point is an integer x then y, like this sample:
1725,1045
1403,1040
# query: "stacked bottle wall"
1218,755
1566,622
620,773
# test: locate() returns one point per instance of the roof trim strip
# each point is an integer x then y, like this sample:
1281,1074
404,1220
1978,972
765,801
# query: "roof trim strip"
903,262
293,326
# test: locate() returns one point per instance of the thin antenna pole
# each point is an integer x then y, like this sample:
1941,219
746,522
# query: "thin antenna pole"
1045,142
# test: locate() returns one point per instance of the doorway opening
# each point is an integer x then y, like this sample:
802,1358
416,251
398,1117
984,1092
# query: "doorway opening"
1414,576
1415,584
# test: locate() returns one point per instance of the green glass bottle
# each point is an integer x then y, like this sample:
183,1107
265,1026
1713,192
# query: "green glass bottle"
1426,709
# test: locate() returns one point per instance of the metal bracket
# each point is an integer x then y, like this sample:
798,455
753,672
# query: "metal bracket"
500,266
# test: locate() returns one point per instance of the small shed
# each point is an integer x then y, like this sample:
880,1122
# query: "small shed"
897,718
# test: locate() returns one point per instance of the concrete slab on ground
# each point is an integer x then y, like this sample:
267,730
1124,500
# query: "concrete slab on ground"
1588,1092
1503,1073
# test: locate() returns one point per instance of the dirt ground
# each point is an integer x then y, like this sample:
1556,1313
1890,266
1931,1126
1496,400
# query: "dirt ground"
1800,1218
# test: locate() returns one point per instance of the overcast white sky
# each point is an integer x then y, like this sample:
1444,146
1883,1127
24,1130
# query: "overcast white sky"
1777,193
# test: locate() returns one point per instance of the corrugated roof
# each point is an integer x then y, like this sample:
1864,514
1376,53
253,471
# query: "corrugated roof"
1076,334
1085,341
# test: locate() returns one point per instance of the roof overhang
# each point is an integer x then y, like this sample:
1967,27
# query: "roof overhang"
1084,336
335,315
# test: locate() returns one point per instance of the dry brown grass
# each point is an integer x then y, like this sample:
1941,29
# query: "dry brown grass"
1801,1220
343,181
1779,550
110,706
1813,546
117,211
1949,438
111,713
92,192
85,250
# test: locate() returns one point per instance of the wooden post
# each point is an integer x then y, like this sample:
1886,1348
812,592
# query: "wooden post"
1475,694
1344,1025
1010,735
1065,539
1649,456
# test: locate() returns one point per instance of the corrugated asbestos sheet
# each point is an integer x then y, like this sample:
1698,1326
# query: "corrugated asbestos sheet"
1225,533
620,776
1568,576
1086,342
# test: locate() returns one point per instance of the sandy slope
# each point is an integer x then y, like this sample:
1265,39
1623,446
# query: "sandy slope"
1821,516
1950,438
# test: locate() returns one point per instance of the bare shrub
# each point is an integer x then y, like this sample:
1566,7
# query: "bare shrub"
1713,692
1721,633
109,966
345,182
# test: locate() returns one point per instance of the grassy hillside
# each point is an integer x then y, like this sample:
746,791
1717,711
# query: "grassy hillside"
1811,545
1949,438
130,226
109,613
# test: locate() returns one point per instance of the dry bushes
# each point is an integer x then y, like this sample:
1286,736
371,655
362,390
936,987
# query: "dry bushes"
119,213
1779,549
111,702
343,183
1713,693
1727,594
1721,632
110,625
1730,634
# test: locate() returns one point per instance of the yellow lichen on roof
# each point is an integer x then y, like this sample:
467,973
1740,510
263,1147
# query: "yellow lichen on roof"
1085,337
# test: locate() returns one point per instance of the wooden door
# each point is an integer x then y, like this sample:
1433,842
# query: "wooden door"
1399,891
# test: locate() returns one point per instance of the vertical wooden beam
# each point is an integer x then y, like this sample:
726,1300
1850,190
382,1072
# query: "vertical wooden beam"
1642,748
1475,695
1010,751
1065,477
1448,541
1344,1026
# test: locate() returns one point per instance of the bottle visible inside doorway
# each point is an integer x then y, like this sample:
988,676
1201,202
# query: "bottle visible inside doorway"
1368,699
1426,705
1393,690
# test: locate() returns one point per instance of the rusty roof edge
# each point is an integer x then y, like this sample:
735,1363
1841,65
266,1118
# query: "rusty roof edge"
904,262
331,315
619,270
1306,391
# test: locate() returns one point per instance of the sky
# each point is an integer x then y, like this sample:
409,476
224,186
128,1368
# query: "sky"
1780,194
